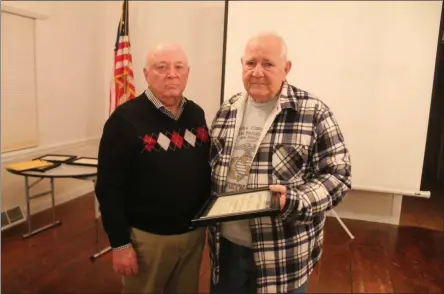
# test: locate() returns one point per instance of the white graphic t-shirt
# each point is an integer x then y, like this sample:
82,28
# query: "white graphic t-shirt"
255,116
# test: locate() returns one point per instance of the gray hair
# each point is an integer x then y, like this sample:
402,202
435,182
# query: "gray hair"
272,34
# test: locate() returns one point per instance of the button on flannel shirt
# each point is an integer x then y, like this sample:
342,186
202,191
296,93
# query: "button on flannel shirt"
304,150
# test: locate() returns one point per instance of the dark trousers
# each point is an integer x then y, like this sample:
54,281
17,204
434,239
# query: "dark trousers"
238,271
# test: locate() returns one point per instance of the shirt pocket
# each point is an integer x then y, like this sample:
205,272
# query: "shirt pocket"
289,161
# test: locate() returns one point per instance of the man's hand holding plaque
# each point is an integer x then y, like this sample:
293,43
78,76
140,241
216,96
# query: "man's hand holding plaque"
282,190
246,204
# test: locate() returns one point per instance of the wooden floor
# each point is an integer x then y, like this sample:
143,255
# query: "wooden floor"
381,259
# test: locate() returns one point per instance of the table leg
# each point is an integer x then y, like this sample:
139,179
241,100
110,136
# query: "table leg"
100,253
28,209
28,204
96,227
53,200
342,224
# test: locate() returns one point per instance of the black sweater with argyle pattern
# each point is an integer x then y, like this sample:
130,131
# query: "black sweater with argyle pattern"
153,171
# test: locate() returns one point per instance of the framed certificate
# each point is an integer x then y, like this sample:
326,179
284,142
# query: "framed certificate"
238,205
85,161
62,158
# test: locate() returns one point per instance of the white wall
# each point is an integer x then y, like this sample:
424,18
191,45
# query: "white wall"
70,92
75,56
357,56
196,25
69,79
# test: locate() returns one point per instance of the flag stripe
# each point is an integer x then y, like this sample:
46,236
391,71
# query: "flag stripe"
125,56
122,86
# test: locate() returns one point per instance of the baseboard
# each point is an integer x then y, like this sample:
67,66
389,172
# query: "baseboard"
392,220
83,190
13,155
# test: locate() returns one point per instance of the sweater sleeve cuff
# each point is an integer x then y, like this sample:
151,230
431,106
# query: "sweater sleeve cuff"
116,249
118,241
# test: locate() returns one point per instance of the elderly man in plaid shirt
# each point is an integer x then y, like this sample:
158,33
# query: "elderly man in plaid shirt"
279,136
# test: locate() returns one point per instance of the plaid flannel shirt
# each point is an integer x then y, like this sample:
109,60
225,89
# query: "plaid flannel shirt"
303,150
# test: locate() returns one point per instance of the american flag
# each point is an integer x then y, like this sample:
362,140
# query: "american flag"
122,84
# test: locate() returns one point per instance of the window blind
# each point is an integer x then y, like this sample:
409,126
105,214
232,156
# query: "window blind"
19,128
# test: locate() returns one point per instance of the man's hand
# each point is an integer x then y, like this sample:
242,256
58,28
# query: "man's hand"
283,191
125,262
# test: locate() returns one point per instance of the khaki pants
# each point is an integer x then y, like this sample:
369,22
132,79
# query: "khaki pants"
167,264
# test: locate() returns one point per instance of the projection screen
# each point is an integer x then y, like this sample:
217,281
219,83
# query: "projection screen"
371,62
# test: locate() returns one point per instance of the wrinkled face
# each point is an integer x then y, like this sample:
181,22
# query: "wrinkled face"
263,68
167,73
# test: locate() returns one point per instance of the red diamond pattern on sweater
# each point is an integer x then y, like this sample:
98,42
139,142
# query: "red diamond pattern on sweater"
177,139
171,141
202,134
149,143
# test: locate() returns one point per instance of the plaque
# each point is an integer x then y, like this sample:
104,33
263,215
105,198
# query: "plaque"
85,161
62,158
238,205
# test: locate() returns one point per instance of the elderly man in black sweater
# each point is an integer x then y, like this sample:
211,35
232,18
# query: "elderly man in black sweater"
153,177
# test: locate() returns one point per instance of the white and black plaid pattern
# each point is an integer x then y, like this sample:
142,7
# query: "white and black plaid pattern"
159,105
304,150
